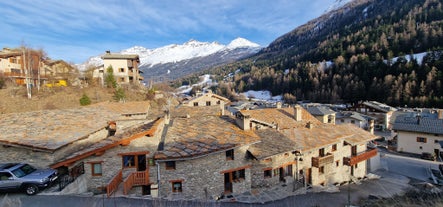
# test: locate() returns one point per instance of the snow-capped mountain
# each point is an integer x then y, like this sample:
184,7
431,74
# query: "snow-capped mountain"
173,61
175,53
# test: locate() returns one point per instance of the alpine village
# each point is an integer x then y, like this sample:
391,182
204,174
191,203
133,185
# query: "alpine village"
337,109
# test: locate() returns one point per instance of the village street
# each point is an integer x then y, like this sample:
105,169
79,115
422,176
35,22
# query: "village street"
392,182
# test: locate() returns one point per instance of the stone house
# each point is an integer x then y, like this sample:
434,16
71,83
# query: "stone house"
125,68
381,113
295,145
203,155
420,132
322,113
355,118
206,99
49,137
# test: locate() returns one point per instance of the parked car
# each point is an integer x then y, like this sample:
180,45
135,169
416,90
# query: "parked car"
427,156
24,177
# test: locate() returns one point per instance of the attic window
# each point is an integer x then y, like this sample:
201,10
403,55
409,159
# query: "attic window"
195,103
208,103
230,154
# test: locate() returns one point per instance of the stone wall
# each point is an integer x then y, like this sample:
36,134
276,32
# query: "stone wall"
203,178
18,154
112,161
274,162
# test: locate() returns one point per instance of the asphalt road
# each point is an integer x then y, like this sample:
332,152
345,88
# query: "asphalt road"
393,181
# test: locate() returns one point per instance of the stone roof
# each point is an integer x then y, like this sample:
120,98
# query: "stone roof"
146,129
351,115
53,129
430,124
319,110
201,133
379,106
296,135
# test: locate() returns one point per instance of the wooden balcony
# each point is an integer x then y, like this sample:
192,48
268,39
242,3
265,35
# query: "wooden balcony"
113,184
135,179
321,161
362,156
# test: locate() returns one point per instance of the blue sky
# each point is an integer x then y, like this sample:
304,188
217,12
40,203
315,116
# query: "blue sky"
74,30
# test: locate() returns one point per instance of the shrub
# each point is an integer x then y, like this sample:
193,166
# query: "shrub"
85,100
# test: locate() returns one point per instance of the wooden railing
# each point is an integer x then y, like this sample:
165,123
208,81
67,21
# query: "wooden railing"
320,161
352,160
135,179
113,184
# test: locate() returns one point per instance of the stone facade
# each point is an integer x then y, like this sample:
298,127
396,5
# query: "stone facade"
203,177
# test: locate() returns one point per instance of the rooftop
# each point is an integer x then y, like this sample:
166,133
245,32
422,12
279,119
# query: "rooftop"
109,55
201,132
319,110
422,124
52,129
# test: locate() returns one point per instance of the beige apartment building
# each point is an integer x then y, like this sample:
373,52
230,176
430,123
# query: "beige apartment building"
125,68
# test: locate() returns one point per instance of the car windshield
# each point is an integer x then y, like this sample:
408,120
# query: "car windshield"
23,170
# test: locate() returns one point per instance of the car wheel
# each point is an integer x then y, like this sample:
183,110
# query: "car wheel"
31,189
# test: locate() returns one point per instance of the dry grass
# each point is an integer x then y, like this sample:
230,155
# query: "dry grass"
14,99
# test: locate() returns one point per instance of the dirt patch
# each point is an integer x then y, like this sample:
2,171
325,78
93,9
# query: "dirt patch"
15,100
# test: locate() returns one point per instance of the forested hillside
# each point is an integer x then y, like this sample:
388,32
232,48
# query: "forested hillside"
349,55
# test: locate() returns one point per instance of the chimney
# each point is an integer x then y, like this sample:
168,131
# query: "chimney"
309,125
440,114
371,126
278,104
243,121
108,52
297,113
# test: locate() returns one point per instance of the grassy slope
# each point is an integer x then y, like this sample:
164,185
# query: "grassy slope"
13,100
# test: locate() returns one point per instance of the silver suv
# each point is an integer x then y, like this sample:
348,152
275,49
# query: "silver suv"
20,176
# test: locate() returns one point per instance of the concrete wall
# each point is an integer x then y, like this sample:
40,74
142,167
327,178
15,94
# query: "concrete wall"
205,174
407,142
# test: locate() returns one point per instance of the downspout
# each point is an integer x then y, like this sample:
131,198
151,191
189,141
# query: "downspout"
158,178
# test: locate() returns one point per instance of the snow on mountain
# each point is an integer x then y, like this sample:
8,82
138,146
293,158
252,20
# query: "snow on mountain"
241,43
175,53
337,4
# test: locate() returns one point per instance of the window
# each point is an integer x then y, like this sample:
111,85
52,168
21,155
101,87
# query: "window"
267,173
177,186
237,175
170,165
122,79
436,141
334,147
337,163
288,170
321,152
5,176
208,103
354,150
276,172
342,120
128,161
96,168
195,103
356,166
352,121
421,139
321,170
230,154
122,70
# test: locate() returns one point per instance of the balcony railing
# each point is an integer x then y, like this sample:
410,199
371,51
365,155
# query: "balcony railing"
113,184
362,156
320,161
135,179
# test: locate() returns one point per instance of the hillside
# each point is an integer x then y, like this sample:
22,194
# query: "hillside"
15,100
359,52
